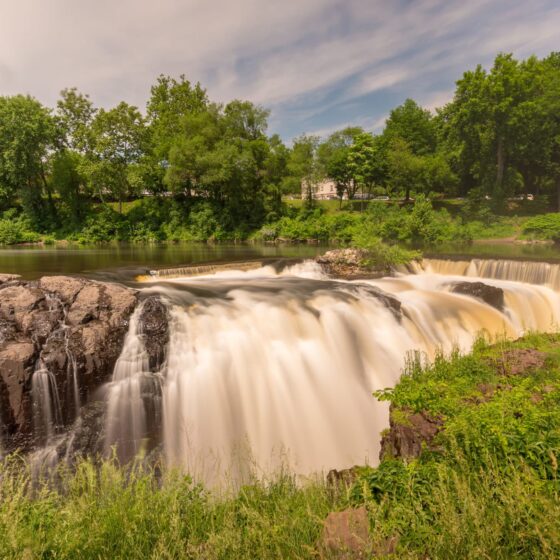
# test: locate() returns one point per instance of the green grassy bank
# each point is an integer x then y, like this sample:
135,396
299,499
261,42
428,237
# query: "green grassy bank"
485,486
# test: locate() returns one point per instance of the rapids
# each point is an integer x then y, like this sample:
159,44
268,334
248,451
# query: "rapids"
268,370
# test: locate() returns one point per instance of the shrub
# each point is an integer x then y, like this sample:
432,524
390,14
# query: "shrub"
546,226
16,229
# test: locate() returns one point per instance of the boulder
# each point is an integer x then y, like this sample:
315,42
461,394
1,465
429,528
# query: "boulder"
348,264
409,434
488,294
346,535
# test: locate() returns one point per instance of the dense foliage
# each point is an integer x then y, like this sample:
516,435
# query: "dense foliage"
487,488
219,175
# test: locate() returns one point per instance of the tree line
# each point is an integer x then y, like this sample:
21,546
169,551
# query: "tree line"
498,137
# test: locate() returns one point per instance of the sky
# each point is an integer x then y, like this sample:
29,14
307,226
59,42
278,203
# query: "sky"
318,65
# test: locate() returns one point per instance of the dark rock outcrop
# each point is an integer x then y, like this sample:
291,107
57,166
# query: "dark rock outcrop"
409,434
488,294
154,325
73,328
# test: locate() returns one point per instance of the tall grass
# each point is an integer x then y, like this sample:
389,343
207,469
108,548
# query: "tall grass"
489,489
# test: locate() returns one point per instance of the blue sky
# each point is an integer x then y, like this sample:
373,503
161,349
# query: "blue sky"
318,65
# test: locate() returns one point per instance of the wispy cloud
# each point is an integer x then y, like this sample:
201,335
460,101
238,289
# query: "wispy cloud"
318,64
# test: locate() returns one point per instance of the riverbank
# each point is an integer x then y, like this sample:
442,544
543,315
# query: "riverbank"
469,469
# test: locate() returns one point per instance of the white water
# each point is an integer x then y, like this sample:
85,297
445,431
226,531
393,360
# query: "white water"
128,412
268,370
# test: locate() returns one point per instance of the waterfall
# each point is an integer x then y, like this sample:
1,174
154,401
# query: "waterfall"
134,394
547,274
271,369
47,412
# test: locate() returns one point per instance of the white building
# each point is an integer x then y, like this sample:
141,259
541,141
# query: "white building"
323,190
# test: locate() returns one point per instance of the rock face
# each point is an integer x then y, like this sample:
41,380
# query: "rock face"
74,328
489,294
409,433
154,325
347,264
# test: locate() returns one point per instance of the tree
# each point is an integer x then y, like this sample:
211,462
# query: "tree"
414,125
333,157
74,116
303,165
118,136
368,162
27,134
221,155
171,100
405,168
276,171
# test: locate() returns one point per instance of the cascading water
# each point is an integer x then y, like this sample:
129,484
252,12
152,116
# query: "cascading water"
547,274
134,397
270,369
47,412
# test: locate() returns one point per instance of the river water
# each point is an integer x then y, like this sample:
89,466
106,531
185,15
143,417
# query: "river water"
274,367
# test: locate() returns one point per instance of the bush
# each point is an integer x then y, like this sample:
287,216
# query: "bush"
16,229
546,226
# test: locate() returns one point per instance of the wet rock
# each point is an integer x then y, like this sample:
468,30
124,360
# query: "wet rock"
85,307
344,477
17,361
348,264
73,327
346,535
154,325
17,302
409,434
65,287
8,277
488,294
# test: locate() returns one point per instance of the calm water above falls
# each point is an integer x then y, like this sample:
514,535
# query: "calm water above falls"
122,261
266,369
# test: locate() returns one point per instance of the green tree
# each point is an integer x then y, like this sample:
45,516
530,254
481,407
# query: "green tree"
118,136
303,166
171,100
333,157
405,169
413,124
27,134
368,162
74,115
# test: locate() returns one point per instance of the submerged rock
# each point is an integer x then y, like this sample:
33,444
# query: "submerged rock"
488,294
72,327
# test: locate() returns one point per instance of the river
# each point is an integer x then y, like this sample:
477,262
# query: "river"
274,367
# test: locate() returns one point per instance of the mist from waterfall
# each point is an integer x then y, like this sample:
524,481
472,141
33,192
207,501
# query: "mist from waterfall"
268,370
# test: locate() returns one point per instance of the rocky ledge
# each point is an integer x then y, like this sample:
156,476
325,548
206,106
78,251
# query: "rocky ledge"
348,264
71,328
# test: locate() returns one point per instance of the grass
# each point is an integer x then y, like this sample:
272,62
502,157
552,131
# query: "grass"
489,488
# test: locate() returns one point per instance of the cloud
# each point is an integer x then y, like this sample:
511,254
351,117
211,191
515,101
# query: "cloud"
317,64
